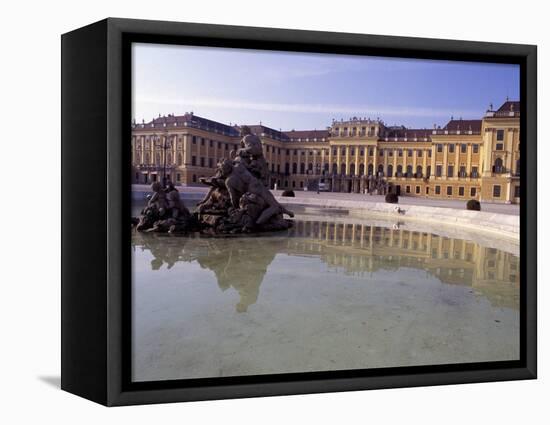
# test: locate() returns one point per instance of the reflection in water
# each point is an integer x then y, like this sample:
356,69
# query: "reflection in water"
242,262
326,295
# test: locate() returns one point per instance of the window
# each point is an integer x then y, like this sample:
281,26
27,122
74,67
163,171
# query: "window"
381,152
438,190
202,161
462,171
293,183
473,191
500,135
463,148
419,154
498,167
451,148
226,146
417,189
427,190
516,192
288,153
193,160
194,140
438,170
371,152
449,190
475,148
400,152
450,170
408,189
178,177
499,147
430,153
460,191
390,153
475,174
410,152
194,178
440,147
219,145
202,141
211,143
496,191
210,162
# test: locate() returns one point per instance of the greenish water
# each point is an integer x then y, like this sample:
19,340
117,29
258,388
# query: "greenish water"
329,294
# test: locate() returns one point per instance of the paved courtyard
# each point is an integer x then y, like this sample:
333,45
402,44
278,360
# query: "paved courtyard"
405,200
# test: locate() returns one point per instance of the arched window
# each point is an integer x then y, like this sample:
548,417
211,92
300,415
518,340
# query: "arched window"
287,168
334,168
409,170
342,168
302,168
362,169
380,171
294,168
180,159
326,167
428,170
419,171
352,169
498,168
390,170
370,170
310,166
399,172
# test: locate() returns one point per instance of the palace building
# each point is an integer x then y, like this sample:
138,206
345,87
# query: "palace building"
465,159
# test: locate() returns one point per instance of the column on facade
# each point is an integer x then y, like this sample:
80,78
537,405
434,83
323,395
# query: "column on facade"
386,163
338,159
405,155
424,163
445,161
357,149
186,150
375,161
509,149
347,160
457,160
414,160
469,159
432,162
395,153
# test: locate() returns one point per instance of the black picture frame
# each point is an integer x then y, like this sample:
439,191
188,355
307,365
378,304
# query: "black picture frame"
96,209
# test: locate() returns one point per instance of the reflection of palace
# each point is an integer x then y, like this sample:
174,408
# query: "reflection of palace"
242,263
464,159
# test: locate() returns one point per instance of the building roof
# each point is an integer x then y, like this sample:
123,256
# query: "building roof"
463,125
260,130
509,106
192,120
408,133
294,135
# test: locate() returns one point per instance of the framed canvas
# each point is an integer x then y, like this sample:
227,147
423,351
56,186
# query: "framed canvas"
253,212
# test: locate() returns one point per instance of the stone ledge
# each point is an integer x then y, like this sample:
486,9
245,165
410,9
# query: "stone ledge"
502,224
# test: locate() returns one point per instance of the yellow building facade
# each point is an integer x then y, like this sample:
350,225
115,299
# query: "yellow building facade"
465,159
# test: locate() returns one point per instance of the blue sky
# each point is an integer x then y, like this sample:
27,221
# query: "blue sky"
305,91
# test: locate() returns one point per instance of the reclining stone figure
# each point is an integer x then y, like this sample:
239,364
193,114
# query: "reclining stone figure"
238,181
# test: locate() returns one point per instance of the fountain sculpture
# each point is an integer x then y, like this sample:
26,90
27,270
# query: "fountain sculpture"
238,201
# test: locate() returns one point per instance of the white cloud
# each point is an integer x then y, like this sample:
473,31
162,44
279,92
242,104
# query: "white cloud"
311,108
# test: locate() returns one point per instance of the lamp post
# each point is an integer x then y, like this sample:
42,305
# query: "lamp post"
166,145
